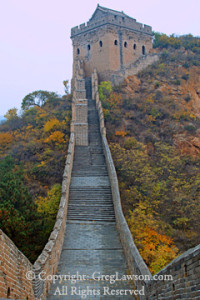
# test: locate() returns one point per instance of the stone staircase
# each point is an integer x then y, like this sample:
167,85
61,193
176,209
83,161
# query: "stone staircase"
91,242
90,196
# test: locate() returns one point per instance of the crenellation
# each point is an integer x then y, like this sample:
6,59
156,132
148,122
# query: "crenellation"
127,22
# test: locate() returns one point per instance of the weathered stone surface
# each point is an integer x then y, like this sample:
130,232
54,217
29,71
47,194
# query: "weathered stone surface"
110,44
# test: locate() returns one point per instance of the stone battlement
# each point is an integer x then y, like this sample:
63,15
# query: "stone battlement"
122,21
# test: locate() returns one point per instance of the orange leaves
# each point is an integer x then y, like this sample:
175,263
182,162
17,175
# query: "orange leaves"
115,99
121,133
55,137
157,249
6,138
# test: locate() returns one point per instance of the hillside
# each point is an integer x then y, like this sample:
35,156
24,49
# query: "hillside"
33,149
153,127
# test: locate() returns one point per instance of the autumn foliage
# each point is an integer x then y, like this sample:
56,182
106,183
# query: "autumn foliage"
33,147
153,127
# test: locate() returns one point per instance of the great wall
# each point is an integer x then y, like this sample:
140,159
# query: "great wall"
90,234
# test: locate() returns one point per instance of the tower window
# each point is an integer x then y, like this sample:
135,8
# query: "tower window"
125,44
143,50
123,19
115,17
134,46
78,51
101,44
88,47
8,293
116,42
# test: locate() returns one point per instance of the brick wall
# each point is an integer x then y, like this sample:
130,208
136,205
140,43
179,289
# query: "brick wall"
185,271
13,268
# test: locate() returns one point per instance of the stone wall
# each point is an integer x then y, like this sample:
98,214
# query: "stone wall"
14,265
178,280
134,260
122,21
110,44
79,124
132,69
185,271
47,262
13,268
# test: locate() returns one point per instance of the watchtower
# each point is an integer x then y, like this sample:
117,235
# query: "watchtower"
110,41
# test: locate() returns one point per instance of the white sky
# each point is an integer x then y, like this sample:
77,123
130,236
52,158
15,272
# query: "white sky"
35,45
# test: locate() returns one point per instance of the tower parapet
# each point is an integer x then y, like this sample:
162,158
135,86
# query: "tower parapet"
122,21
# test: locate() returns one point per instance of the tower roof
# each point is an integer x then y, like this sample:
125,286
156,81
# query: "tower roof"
105,11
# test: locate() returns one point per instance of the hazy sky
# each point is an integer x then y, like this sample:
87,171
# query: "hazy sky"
35,45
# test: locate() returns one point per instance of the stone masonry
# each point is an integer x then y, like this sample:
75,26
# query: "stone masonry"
13,268
109,42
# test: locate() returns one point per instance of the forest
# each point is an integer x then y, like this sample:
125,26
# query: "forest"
33,148
153,129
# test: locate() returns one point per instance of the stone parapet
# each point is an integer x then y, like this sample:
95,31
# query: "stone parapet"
117,77
185,271
122,22
47,262
134,260
79,123
14,267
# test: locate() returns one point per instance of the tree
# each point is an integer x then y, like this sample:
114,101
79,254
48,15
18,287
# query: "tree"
37,98
11,113
66,85
157,249
48,206
18,215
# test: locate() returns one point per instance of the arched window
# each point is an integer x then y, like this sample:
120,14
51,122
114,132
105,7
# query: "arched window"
78,51
143,50
116,42
134,46
88,47
125,44
101,44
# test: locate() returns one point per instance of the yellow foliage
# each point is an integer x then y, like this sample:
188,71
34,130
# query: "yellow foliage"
150,118
51,124
5,139
185,115
12,113
49,204
56,137
150,99
156,249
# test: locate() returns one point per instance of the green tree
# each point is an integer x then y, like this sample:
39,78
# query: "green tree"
18,215
37,98
11,113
